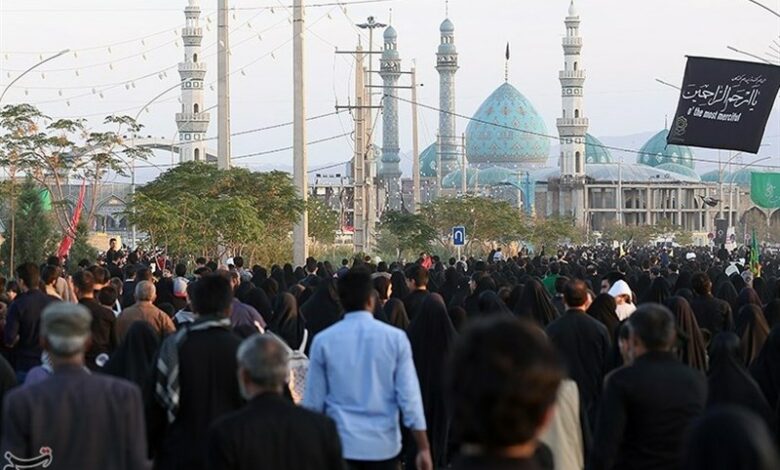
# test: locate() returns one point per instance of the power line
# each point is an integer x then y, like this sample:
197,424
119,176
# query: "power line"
549,136
124,10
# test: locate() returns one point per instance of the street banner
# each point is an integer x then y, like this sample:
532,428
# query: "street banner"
724,104
765,189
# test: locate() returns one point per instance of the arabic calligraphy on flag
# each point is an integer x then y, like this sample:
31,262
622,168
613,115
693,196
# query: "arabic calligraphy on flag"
724,104
765,189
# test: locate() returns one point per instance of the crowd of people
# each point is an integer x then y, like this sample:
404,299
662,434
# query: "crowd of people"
585,358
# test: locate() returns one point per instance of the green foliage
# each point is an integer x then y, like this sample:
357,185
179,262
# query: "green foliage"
554,231
81,248
35,237
403,232
486,220
640,235
53,151
197,209
323,221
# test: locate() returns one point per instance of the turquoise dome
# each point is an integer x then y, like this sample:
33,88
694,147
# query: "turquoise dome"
656,152
491,144
595,152
679,169
428,162
452,180
741,177
714,176
493,176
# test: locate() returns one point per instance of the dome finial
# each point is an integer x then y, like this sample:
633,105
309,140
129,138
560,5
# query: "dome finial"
390,20
506,63
572,9
446,8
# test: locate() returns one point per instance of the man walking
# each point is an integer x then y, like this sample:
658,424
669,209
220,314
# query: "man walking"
362,375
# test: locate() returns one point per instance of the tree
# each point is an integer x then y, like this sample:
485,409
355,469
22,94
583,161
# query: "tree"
486,220
323,221
35,236
628,234
197,209
81,249
401,232
552,231
53,152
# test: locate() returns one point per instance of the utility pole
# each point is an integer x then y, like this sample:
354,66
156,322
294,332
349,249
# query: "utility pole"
300,167
463,176
415,147
223,86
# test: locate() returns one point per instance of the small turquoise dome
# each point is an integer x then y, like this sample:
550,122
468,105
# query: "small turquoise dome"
714,176
679,169
656,152
494,176
595,152
428,162
488,143
447,26
741,177
390,33
452,180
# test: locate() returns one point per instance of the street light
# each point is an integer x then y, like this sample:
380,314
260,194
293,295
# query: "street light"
13,173
62,52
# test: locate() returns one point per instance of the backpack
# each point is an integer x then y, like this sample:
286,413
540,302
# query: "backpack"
299,366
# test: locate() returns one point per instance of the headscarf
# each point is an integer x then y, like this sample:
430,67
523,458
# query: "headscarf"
431,336
729,381
278,275
728,293
458,316
766,368
691,348
772,313
535,304
748,295
287,322
603,309
737,281
271,287
323,309
395,311
400,289
752,330
491,304
659,291
133,360
683,281
729,438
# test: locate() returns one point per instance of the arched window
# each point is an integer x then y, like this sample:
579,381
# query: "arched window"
576,113
564,114
195,108
575,65
197,155
578,161
195,57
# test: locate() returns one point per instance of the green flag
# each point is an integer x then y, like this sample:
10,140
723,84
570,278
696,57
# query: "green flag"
755,265
765,189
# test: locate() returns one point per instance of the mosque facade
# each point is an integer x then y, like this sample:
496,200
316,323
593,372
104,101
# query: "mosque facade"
506,146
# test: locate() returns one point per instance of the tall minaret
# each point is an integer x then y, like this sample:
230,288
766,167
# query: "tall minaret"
192,121
573,125
447,65
389,70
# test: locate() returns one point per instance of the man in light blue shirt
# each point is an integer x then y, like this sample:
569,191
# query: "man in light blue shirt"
362,375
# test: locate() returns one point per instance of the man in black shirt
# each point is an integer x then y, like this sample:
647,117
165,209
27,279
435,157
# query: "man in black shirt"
648,406
417,281
22,324
104,339
712,314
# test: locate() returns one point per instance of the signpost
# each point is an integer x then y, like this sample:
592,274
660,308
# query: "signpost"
459,237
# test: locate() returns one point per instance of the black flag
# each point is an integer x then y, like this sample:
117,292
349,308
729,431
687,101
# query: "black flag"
507,50
724,104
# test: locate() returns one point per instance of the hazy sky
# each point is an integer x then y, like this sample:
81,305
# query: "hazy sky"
627,44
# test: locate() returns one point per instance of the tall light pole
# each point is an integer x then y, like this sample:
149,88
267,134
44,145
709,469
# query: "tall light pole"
301,229
223,86
13,170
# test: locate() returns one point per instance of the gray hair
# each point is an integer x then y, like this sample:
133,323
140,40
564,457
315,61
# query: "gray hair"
266,359
66,328
145,291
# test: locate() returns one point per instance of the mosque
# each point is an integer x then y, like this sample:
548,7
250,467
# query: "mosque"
506,146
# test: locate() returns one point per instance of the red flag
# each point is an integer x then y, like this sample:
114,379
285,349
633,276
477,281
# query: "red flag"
67,240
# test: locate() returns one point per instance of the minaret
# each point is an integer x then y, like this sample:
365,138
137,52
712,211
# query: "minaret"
447,65
573,125
389,70
192,121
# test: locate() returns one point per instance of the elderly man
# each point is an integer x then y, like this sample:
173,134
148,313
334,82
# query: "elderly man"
144,310
267,432
73,419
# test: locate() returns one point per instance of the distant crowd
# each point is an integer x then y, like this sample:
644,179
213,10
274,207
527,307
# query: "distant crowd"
582,358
